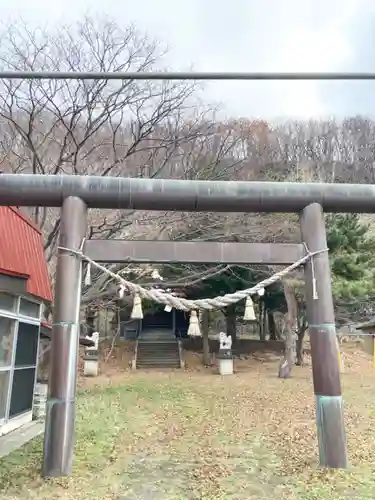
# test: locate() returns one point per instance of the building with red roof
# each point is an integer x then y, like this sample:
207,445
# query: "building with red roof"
24,288
22,253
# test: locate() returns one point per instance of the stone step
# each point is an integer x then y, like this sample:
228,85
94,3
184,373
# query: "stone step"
156,342
141,362
157,351
158,345
158,354
173,356
158,360
168,337
158,365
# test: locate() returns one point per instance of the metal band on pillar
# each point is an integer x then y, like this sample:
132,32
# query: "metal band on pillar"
324,353
60,414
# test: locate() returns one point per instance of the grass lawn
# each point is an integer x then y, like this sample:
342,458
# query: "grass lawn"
195,435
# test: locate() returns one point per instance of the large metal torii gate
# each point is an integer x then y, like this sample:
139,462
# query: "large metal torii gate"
76,194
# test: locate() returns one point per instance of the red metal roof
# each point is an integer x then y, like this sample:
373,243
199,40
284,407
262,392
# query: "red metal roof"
21,252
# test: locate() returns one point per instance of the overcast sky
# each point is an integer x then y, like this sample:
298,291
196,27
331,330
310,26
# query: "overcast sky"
248,35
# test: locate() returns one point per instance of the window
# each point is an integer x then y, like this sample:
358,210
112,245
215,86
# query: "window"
6,340
4,387
21,400
28,308
7,302
27,345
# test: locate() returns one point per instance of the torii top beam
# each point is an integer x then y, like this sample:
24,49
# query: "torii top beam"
184,195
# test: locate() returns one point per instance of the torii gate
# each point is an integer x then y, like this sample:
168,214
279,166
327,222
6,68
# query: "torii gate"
77,194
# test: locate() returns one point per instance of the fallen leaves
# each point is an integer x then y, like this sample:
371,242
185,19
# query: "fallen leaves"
194,435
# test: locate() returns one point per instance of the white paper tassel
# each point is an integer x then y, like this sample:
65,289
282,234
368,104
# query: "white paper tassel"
261,292
137,312
315,291
88,275
249,314
193,329
121,291
167,309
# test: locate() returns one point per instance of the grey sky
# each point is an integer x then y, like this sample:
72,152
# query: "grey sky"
248,35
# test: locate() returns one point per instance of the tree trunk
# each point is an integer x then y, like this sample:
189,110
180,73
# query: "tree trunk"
271,325
115,321
301,330
205,341
260,324
299,347
90,321
262,321
231,322
287,363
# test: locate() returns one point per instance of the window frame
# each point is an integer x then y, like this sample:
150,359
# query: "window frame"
17,318
16,312
16,303
15,334
27,299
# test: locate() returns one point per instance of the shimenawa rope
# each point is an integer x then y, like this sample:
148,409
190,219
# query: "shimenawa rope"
194,305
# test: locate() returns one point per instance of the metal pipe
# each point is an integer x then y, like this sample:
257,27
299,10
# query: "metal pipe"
180,75
60,416
183,195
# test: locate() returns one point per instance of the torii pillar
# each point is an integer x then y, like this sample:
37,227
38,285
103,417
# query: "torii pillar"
324,352
60,414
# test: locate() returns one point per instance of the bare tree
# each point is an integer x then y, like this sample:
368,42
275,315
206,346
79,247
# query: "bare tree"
150,129
133,128
90,127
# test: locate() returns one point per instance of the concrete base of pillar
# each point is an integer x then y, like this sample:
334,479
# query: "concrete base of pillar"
226,366
90,368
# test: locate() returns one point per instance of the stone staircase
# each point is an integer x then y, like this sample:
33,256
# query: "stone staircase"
158,351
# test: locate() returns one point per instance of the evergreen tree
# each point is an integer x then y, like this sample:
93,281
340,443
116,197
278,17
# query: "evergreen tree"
352,256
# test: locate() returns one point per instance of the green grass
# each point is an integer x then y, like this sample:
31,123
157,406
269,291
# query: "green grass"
190,437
